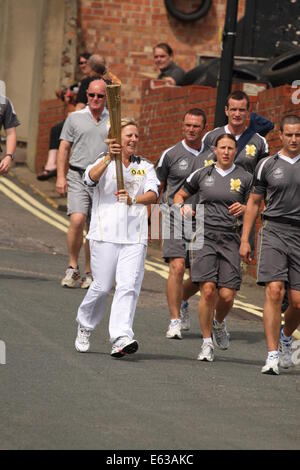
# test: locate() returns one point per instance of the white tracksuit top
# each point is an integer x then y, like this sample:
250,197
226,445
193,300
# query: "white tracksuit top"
115,222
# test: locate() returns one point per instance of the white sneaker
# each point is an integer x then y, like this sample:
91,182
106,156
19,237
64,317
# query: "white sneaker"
124,346
185,316
82,342
271,367
285,354
86,281
206,353
72,278
174,331
220,335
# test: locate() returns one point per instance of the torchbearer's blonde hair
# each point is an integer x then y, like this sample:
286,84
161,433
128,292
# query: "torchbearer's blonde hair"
126,121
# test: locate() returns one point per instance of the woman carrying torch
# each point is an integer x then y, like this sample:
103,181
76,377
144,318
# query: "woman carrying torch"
118,239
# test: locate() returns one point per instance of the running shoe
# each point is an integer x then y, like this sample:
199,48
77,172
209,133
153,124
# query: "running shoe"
285,352
185,316
220,335
124,346
174,331
72,278
206,352
86,281
82,342
271,367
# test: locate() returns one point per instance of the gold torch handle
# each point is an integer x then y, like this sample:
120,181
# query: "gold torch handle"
113,97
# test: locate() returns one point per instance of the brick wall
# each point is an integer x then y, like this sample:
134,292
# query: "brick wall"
162,110
125,31
274,103
51,112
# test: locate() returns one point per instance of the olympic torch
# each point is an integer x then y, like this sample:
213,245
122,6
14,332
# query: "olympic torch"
113,98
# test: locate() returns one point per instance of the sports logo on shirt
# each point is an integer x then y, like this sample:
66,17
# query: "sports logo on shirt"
208,162
235,184
278,173
209,181
250,150
183,165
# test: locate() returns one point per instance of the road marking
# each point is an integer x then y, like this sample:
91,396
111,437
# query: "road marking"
31,209
32,201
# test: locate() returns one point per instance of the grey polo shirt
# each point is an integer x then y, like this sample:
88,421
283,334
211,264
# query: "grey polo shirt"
8,117
86,135
175,165
255,149
278,179
217,190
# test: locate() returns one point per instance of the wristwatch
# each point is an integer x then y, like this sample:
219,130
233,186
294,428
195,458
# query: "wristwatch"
133,200
10,155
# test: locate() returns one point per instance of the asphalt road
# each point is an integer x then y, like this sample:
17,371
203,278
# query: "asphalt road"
160,398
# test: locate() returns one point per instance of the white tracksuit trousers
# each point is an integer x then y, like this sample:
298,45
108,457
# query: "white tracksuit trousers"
113,263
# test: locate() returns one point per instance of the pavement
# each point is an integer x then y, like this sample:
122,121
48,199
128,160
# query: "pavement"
160,398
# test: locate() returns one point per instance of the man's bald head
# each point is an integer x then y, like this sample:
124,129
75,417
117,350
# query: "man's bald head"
97,64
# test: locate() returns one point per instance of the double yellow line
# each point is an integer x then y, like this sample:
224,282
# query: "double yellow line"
20,197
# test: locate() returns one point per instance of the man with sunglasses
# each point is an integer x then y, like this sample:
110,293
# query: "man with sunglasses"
81,141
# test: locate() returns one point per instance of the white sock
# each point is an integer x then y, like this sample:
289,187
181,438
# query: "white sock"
175,322
208,341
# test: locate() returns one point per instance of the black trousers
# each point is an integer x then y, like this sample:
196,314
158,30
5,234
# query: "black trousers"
55,135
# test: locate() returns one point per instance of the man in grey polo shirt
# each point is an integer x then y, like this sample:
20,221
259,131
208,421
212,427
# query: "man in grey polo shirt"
82,140
237,111
174,166
9,120
277,182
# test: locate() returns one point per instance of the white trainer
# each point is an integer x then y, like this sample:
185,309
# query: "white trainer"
285,354
72,278
174,331
220,335
124,346
185,316
206,352
271,367
86,281
82,342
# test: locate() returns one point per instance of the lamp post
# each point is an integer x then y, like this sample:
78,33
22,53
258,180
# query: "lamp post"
226,65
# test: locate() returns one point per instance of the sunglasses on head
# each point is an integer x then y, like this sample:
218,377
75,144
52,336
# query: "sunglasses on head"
92,95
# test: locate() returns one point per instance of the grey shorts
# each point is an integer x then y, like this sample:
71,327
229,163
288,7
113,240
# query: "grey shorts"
218,261
80,196
176,246
278,254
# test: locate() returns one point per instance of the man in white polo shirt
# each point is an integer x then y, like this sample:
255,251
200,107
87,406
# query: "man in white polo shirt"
82,140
